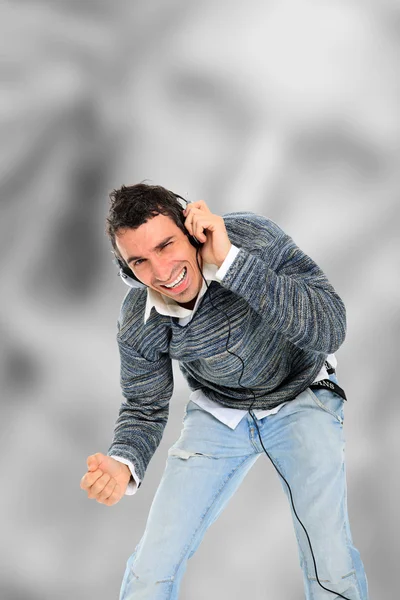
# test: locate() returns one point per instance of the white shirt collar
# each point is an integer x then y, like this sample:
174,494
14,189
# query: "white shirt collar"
168,306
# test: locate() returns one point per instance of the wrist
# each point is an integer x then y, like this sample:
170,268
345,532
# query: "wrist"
126,471
220,262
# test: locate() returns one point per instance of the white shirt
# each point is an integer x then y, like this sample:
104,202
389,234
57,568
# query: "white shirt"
167,306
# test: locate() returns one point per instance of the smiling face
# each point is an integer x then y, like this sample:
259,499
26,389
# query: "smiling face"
159,253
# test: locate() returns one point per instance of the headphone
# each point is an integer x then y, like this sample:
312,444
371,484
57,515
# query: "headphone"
128,276
130,279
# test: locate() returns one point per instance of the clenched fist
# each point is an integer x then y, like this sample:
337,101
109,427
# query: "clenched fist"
106,480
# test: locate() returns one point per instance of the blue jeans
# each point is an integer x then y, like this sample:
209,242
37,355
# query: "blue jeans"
206,466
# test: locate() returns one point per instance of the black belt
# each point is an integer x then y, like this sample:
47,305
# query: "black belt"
327,384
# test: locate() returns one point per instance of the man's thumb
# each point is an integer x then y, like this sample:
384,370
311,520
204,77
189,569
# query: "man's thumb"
94,460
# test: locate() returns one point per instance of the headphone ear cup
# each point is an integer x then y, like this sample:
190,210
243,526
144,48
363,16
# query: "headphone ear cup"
127,275
124,268
194,241
127,271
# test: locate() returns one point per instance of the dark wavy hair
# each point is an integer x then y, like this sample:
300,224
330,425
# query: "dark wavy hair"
132,206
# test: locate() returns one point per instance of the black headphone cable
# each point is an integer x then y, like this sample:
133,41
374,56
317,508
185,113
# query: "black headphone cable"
259,435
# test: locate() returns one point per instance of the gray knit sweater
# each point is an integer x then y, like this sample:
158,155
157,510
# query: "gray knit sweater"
285,318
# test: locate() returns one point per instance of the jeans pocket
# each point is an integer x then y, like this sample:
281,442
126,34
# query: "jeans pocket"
330,402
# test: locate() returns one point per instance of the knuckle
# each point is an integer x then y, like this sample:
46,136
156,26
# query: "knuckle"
114,498
91,479
97,487
107,491
107,499
93,476
103,482
111,485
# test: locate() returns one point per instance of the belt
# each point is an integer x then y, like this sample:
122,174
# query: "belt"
327,384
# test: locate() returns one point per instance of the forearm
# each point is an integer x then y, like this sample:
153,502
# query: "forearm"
292,294
147,387
137,437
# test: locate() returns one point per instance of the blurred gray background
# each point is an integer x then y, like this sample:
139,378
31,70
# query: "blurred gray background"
286,108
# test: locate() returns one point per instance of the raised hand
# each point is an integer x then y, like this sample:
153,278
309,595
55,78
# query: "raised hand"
210,230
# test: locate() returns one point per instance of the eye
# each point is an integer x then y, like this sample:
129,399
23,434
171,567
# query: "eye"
138,262
165,245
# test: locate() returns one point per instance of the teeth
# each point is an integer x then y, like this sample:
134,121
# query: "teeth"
178,279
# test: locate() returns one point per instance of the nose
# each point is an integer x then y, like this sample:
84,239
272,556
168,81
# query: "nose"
161,270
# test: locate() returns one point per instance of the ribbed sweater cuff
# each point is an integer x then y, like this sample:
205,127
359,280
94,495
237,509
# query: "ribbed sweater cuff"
242,273
124,455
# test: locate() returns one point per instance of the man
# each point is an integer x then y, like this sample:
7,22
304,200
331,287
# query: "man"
257,332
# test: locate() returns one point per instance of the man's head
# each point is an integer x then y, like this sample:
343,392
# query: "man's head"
146,228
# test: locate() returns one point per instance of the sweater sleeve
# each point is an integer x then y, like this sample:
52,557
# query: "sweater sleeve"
287,289
147,387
